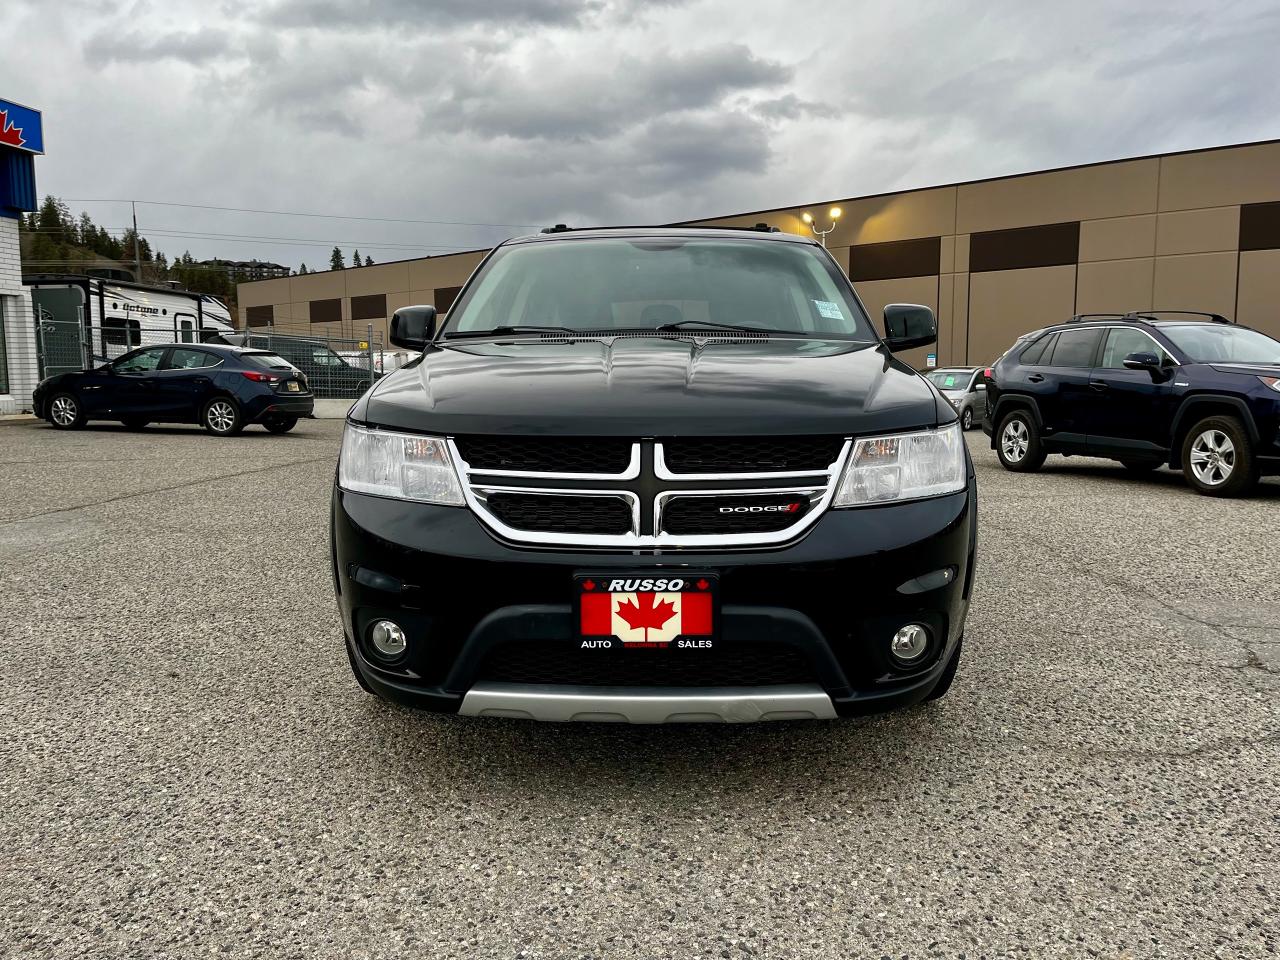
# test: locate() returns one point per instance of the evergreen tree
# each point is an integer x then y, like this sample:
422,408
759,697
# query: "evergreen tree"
54,219
335,260
355,259
302,270
368,261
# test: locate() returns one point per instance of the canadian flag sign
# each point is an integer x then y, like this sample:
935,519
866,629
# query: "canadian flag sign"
655,617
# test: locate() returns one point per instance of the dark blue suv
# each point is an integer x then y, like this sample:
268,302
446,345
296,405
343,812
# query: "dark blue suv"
222,388
1186,389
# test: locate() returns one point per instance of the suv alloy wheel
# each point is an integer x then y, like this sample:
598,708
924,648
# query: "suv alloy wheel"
1218,459
1018,443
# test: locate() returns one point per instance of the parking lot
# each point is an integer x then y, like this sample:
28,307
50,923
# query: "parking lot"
190,769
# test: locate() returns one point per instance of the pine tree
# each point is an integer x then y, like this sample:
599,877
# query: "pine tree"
355,259
368,261
302,270
335,260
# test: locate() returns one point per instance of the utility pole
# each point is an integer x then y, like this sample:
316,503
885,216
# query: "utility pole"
137,251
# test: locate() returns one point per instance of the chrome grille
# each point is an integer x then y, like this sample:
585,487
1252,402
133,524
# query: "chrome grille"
561,513
731,513
590,502
588,455
694,455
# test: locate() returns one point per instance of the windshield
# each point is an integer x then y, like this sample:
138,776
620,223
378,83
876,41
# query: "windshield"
1220,343
950,379
607,285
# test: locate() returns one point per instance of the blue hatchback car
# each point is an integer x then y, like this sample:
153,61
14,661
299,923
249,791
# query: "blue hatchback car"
220,387
1188,390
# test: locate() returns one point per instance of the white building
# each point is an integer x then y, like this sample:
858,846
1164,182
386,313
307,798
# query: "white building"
21,138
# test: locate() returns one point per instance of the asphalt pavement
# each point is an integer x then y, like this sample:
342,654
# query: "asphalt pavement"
187,767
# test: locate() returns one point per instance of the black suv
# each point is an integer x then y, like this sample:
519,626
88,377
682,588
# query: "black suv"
655,475
1179,388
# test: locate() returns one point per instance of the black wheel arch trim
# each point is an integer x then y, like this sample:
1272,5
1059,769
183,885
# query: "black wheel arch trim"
1018,400
1187,410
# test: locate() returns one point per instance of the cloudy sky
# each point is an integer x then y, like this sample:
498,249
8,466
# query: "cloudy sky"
517,113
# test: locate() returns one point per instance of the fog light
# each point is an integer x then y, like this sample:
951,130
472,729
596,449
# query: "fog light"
388,639
909,644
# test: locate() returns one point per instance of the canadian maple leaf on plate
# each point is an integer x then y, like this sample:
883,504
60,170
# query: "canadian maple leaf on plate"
644,614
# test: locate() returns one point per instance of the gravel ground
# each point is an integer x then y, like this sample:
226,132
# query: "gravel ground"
187,767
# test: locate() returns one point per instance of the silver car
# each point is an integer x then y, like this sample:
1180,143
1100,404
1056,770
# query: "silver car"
966,389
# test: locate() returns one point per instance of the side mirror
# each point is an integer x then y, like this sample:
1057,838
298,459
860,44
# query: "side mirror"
412,327
1142,361
908,325
980,385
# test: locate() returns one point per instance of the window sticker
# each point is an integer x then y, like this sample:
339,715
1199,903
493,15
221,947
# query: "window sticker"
828,309
951,381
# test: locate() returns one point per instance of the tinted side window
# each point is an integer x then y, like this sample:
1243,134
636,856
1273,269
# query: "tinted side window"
140,362
190,359
1035,353
1075,348
1122,342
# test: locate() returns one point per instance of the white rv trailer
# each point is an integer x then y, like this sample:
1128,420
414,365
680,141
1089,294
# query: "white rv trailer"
88,320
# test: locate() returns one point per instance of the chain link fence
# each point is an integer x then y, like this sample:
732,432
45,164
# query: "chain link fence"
338,368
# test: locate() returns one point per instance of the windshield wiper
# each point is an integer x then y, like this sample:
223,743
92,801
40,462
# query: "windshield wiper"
514,328
680,324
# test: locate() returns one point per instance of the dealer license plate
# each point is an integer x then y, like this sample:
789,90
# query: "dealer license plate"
624,611
292,386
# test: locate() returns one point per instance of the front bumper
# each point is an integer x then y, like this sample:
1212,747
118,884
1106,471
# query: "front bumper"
834,597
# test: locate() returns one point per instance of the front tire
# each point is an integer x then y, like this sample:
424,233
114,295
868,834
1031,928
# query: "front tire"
280,424
221,417
1218,458
65,412
1018,443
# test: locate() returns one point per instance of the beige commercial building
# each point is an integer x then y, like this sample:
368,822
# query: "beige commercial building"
1197,230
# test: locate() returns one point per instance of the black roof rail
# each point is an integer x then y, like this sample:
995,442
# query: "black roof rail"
1084,317
1213,317
558,228
1147,316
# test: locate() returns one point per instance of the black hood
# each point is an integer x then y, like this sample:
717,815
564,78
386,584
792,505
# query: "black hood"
654,386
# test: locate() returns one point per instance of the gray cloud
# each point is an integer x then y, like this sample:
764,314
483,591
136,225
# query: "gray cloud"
592,102
372,14
791,107
195,47
596,111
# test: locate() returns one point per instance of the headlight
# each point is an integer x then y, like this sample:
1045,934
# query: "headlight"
1272,382
399,465
905,466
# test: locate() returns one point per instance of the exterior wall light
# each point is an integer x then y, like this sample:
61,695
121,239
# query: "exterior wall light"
834,213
